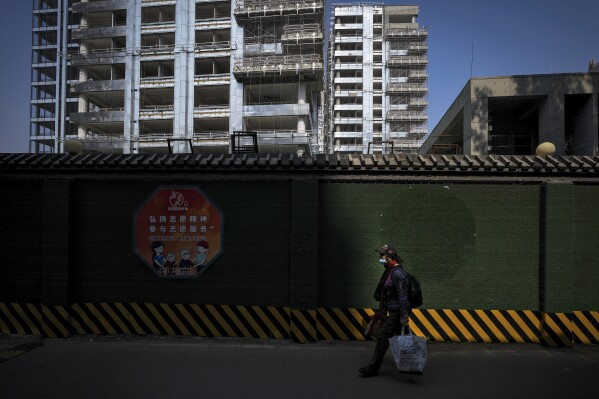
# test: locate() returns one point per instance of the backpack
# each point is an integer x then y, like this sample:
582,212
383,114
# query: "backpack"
414,291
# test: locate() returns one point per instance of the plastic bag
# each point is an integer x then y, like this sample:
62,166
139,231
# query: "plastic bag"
409,352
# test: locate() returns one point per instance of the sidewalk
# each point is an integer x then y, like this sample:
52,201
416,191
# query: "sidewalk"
192,367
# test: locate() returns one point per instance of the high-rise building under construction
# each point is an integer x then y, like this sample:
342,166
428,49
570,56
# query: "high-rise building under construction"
377,79
139,76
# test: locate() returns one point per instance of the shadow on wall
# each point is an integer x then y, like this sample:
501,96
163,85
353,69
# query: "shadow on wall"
433,229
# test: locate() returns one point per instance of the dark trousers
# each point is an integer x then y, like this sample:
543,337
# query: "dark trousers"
391,327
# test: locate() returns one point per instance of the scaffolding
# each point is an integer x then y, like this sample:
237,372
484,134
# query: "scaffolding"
256,8
286,43
281,68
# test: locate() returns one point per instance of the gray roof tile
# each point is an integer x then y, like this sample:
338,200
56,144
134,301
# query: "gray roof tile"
368,164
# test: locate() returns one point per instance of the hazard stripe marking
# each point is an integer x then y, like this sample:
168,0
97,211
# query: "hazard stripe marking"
469,337
301,325
31,322
11,321
586,326
532,337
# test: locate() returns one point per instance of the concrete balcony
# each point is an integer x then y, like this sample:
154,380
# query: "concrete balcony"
348,39
212,111
155,112
348,26
278,64
348,93
98,57
214,49
213,23
349,11
421,131
158,49
165,2
212,80
302,33
407,33
348,107
83,33
158,27
301,38
280,141
44,65
348,121
418,48
348,81
153,82
419,76
276,110
96,6
43,119
397,135
407,116
348,135
43,101
98,85
348,66
406,61
348,53
107,115
258,8
418,103
407,88
348,148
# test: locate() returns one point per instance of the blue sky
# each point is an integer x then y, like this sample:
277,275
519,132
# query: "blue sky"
509,37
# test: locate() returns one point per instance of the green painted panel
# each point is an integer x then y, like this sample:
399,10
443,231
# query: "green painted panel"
21,216
253,269
558,248
585,248
472,246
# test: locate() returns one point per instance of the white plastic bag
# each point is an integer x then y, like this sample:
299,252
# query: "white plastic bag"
409,352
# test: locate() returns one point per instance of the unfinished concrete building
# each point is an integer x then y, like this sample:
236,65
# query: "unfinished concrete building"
512,115
377,81
136,76
278,72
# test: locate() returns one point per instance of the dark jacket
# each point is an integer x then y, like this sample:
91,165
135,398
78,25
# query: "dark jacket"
393,291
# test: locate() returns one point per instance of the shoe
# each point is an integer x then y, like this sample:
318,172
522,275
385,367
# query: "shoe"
368,371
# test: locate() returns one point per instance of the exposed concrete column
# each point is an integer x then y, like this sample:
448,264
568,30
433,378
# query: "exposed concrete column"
301,124
183,105
367,77
552,122
302,98
82,107
235,87
385,78
476,126
302,94
132,75
586,128
82,104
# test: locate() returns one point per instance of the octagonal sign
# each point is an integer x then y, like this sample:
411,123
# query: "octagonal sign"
178,232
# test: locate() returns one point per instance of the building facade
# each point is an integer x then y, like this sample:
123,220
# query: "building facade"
377,79
135,76
512,115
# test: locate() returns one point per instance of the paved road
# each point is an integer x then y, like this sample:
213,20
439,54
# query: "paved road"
191,367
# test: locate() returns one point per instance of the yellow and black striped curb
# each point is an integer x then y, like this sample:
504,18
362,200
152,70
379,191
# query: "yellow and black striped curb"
300,325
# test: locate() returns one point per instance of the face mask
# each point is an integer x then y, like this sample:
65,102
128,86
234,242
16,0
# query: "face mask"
383,261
